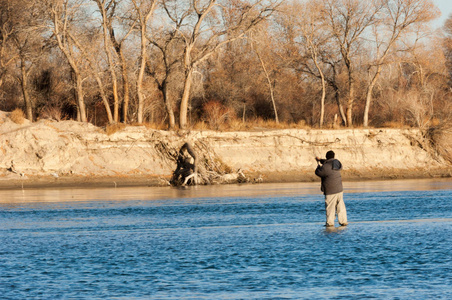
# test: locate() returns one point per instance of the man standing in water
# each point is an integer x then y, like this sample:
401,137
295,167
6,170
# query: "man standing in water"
329,170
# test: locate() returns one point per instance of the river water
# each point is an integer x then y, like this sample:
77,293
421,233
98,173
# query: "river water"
263,241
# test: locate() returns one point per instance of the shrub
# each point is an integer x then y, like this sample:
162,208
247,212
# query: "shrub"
17,116
53,113
216,114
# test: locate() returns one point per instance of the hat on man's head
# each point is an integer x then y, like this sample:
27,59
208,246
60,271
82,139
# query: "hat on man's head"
330,154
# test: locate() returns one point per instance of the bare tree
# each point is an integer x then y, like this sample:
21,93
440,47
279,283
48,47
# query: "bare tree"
167,63
144,10
426,95
315,52
333,81
260,40
269,81
62,14
26,66
7,54
28,41
398,18
347,21
313,38
21,43
214,24
126,29
104,7
95,73
317,60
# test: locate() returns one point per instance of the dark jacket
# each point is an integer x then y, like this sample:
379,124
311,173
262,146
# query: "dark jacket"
330,173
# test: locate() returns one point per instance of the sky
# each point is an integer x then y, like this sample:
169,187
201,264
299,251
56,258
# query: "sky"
445,6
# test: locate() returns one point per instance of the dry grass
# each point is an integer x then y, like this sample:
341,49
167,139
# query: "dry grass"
236,124
152,125
201,126
17,116
266,124
112,128
394,125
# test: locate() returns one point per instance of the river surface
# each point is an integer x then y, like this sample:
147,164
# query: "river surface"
263,241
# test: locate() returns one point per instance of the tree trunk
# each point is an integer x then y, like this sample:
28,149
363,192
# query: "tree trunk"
24,85
143,28
140,83
125,77
322,103
267,76
140,100
104,99
185,99
125,86
168,106
115,94
339,105
349,112
322,100
80,100
341,111
64,45
172,119
350,101
111,67
370,89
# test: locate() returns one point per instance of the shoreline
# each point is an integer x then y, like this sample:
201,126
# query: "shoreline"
69,154
15,182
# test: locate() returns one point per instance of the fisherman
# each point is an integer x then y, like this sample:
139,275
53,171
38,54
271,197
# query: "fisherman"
187,166
329,170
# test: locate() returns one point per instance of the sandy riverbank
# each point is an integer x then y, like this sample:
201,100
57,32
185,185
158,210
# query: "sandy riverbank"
33,182
71,154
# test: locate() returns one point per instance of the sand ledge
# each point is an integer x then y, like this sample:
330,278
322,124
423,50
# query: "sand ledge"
72,154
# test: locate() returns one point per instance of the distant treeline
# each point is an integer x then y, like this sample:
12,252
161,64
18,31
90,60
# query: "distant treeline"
179,63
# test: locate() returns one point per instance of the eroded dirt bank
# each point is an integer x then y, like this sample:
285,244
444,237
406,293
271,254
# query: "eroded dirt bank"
69,153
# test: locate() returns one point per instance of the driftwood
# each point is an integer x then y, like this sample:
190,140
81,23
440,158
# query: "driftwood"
215,178
210,168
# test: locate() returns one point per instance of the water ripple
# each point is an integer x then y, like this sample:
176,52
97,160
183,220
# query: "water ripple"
397,246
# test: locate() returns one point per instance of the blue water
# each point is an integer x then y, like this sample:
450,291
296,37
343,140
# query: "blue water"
247,242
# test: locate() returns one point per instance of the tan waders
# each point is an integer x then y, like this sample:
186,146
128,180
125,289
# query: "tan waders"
335,203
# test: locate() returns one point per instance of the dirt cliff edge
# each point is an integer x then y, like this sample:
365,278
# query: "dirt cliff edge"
50,153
